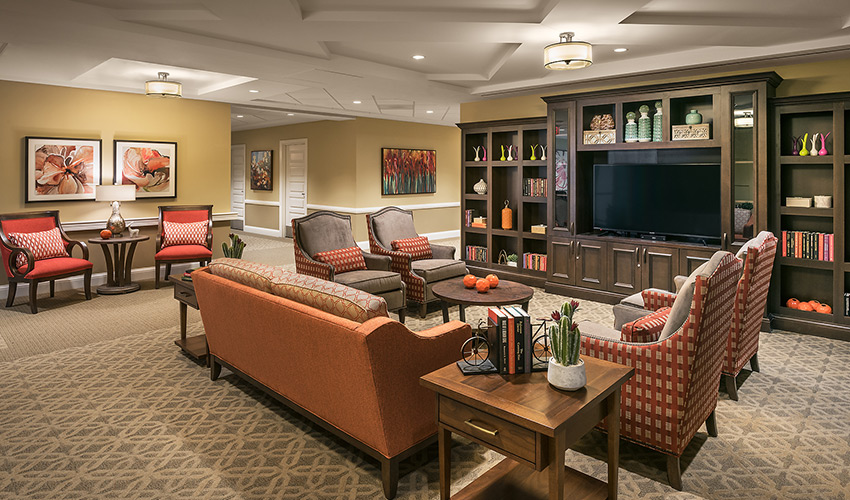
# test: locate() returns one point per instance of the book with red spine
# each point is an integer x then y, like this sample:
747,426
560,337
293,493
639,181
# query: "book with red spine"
511,343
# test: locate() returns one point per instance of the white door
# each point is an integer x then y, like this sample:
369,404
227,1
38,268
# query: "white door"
237,184
294,154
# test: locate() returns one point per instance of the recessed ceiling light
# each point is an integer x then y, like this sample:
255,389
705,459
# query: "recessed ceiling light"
290,114
239,116
356,102
430,111
419,57
253,91
621,49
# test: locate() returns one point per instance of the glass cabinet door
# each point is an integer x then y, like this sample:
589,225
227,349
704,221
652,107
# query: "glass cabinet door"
744,125
561,158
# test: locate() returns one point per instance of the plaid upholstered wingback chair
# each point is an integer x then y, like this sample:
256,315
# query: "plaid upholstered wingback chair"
325,248
742,346
420,263
674,389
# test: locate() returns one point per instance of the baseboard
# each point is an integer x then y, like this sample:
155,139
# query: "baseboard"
97,279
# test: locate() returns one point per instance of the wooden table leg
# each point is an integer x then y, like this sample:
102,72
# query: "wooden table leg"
444,440
110,275
613,424
557,451
128,263
445,307
524,306
462,312
183,311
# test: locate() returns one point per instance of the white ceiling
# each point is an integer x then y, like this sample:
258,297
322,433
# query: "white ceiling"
314,58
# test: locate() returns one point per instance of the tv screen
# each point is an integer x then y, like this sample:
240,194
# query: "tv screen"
675,200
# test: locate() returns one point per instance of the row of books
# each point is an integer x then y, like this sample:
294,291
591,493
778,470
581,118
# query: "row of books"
534,261
468,215
846,304
534,186
807,245
474,252
509,332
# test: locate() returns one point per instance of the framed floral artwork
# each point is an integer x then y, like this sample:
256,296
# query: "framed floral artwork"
408,171
261,170
148,165
62,169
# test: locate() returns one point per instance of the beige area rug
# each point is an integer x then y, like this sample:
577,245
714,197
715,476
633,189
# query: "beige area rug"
129,416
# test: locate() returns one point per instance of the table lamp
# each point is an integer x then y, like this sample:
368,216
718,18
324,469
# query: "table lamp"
115,194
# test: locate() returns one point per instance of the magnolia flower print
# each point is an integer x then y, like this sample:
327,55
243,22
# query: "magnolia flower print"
64,170
147,169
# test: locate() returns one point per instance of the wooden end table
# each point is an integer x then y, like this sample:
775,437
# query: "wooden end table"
118,269
453,292
532,424
184,292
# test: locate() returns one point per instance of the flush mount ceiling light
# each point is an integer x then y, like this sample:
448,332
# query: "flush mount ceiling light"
621,49
290,114
567,54
163,87
419,57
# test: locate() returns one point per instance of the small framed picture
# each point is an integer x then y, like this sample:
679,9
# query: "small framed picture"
150,166
60,169
261,170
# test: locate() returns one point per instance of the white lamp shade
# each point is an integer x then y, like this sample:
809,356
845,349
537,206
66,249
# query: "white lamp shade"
164,88
110,193
568,55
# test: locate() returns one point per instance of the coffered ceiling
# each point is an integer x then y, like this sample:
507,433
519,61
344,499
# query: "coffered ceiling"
320,59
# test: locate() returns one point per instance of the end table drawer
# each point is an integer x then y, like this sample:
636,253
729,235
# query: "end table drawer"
186,296
488,428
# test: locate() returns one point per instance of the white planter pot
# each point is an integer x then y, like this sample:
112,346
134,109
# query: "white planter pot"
512,264
568,378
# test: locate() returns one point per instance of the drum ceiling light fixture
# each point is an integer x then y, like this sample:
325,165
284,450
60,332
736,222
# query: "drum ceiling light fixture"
163,87
567,54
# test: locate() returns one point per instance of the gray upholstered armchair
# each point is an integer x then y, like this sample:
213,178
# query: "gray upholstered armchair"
419,273
326,233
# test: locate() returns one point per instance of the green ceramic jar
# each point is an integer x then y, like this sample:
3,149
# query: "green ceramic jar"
693,118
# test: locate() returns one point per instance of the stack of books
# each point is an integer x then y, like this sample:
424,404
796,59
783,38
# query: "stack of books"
467,217
187,274
479,222
509,335
807,245
474,252
533,186
534,261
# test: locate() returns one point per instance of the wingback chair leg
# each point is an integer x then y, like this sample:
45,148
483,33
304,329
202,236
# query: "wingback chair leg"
674,472
156,278
423,310
34,296
167,270
754,363
10,298
731,386
87,284
52,288
389,476
401,315
711,424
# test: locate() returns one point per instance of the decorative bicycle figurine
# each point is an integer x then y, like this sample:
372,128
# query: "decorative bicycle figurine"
476,349
541,349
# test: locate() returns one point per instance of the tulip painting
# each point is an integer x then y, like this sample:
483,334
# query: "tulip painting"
62,169
408,171
261,170
149,166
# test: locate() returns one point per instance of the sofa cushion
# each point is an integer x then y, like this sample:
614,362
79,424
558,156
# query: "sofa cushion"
43,245
253,274
184,252
418,248
371,281
433,270
393,225
343,259
188,233
647,328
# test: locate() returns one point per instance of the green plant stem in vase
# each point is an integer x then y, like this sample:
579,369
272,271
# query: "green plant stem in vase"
234,250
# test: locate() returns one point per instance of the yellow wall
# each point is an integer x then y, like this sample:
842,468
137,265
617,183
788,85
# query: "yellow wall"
200,128
799,79
344,167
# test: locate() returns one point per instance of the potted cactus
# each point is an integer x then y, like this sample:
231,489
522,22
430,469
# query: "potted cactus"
566,368
512,259
234,251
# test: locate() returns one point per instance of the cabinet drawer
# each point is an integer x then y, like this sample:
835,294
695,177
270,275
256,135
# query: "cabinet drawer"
489,429
185,296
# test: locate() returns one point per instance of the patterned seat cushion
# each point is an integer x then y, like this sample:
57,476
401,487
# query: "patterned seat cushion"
434,270
647,328
247,273
184,233
43,245
418,248
343,259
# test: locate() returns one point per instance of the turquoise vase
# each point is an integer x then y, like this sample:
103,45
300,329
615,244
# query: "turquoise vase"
693,118
631,127
644,125
656,123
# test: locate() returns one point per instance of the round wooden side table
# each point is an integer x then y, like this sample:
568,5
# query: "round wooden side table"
452,291
118,268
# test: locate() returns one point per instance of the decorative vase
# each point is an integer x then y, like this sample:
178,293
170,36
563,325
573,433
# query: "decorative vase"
484,153
631,127
476,148
656,123
804,151
693,118
480,187
533,147
814,150
510,152
115,223
567,378
543,155
823,151
507,216
503,154
794,150
644,125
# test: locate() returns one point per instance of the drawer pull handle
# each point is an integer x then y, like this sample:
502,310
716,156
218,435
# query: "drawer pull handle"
482,429
185,294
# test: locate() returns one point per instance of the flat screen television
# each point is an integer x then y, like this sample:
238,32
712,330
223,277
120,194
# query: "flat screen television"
670,200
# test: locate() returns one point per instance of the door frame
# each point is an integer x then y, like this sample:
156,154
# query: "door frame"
285,229
232,179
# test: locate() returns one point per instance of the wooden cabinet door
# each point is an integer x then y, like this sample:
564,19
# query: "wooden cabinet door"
624,268
562,262
591,263
659,266
692,258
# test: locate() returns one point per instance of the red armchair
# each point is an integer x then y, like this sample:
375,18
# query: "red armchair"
49,262
184,243
674,389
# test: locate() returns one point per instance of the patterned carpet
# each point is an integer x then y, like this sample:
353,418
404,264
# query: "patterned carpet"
131,417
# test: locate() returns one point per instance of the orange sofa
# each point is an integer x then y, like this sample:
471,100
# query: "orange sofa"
360,381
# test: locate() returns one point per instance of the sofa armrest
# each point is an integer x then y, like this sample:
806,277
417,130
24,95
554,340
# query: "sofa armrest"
442,251
377,262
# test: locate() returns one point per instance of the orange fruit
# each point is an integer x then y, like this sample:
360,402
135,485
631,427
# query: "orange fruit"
805,306
482,286
493,279
792,303
823,309
469,281
106,234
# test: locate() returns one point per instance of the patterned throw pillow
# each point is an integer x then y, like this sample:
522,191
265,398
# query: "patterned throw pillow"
647,328
343,259
418,247
184,233
333,298
43,245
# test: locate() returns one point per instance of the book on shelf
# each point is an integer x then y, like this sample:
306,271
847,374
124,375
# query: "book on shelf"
467,217
809,245
534,186
477,253
534,261
478,225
